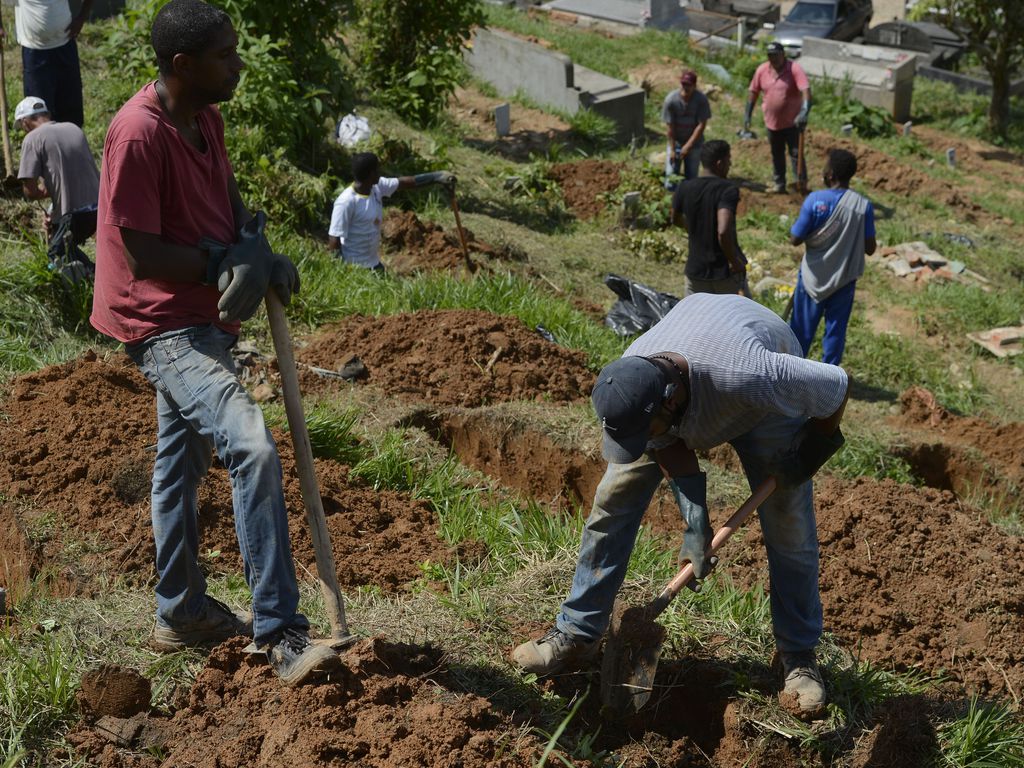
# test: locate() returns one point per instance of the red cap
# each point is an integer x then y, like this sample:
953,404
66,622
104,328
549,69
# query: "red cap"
689,77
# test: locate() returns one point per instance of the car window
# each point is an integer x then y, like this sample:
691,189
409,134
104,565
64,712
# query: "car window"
812,13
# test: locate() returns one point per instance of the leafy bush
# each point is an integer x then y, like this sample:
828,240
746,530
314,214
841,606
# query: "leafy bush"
834,102
292,81
410,52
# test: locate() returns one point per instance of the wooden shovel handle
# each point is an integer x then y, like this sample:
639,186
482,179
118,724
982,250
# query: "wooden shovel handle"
8,157
462,233
325,569
685,574
801,163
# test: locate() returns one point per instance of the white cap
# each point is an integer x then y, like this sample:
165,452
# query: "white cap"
28,107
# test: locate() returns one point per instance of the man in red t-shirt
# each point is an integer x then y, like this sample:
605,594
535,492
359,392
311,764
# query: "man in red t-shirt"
167,196
787,102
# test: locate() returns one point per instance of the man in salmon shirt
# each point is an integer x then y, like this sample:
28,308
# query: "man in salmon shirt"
176,300
787,102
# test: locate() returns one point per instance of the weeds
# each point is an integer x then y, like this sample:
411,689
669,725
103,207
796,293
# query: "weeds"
987,736
37,694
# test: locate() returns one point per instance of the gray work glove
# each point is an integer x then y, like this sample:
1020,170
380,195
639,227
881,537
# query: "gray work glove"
748,115
691,494
809,452
444,178
249,268
801,118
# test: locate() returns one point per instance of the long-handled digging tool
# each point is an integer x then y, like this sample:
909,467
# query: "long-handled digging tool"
462,233
801,164
634,639
326,573
10,178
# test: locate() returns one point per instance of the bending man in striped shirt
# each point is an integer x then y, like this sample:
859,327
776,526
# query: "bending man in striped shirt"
717,369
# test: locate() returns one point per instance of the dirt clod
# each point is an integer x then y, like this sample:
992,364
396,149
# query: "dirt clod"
114,691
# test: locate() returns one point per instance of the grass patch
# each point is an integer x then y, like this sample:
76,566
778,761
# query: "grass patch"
988,735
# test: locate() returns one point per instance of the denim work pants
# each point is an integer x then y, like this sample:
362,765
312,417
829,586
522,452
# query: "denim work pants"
787,522
807,314
688,167
201,404
781,141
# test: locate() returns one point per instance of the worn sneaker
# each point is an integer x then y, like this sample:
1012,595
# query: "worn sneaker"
554,652
296,659
779,188
217,625
803,681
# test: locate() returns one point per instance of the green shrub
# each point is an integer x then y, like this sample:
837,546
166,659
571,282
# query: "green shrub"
410,52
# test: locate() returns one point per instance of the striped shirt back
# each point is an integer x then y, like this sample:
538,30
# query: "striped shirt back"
745,364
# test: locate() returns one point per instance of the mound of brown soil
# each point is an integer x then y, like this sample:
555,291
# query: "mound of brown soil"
911,578
390,705
584,182
427,246
75,446
451,357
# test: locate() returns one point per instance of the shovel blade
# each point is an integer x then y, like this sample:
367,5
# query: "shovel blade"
630,660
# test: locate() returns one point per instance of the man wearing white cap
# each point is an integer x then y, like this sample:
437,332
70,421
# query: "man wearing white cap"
47,32
56,162
717,369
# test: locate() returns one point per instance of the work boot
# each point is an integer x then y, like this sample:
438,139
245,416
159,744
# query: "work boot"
554,652
217,625
779,188
296,659
803,682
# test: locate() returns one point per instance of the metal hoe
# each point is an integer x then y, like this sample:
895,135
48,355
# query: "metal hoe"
326,572
634,639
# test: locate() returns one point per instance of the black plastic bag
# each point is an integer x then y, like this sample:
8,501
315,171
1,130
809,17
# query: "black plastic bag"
639,306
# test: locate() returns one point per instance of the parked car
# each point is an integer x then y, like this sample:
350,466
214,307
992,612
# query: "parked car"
836,19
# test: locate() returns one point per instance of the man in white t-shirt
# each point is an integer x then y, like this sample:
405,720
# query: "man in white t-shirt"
47,31
359,210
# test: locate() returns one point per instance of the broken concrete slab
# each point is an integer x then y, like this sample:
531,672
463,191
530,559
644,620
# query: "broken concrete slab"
1001,342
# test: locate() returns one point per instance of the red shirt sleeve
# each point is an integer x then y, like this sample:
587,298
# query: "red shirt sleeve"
133,178
755,81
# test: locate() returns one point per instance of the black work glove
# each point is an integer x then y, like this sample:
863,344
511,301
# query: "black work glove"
691,495
811,450
249,268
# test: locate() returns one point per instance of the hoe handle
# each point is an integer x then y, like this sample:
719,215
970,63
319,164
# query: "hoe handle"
307,477
462,234
8,158
685,574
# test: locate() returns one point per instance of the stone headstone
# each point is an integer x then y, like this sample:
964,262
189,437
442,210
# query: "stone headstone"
503,119
906,127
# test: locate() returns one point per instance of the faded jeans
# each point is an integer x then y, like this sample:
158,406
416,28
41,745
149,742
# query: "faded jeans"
787,523
201,404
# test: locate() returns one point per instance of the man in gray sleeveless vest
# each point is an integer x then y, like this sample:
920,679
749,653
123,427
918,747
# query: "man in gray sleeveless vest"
838,227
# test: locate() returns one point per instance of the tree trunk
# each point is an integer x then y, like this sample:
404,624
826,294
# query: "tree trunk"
999,107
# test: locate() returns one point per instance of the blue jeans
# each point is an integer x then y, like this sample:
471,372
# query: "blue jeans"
787,523
54,75
201,404
807,314
688,167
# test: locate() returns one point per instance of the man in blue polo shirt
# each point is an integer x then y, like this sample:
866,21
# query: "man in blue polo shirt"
838,227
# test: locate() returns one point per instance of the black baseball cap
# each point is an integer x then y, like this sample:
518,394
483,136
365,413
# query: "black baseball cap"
627,395
775,47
